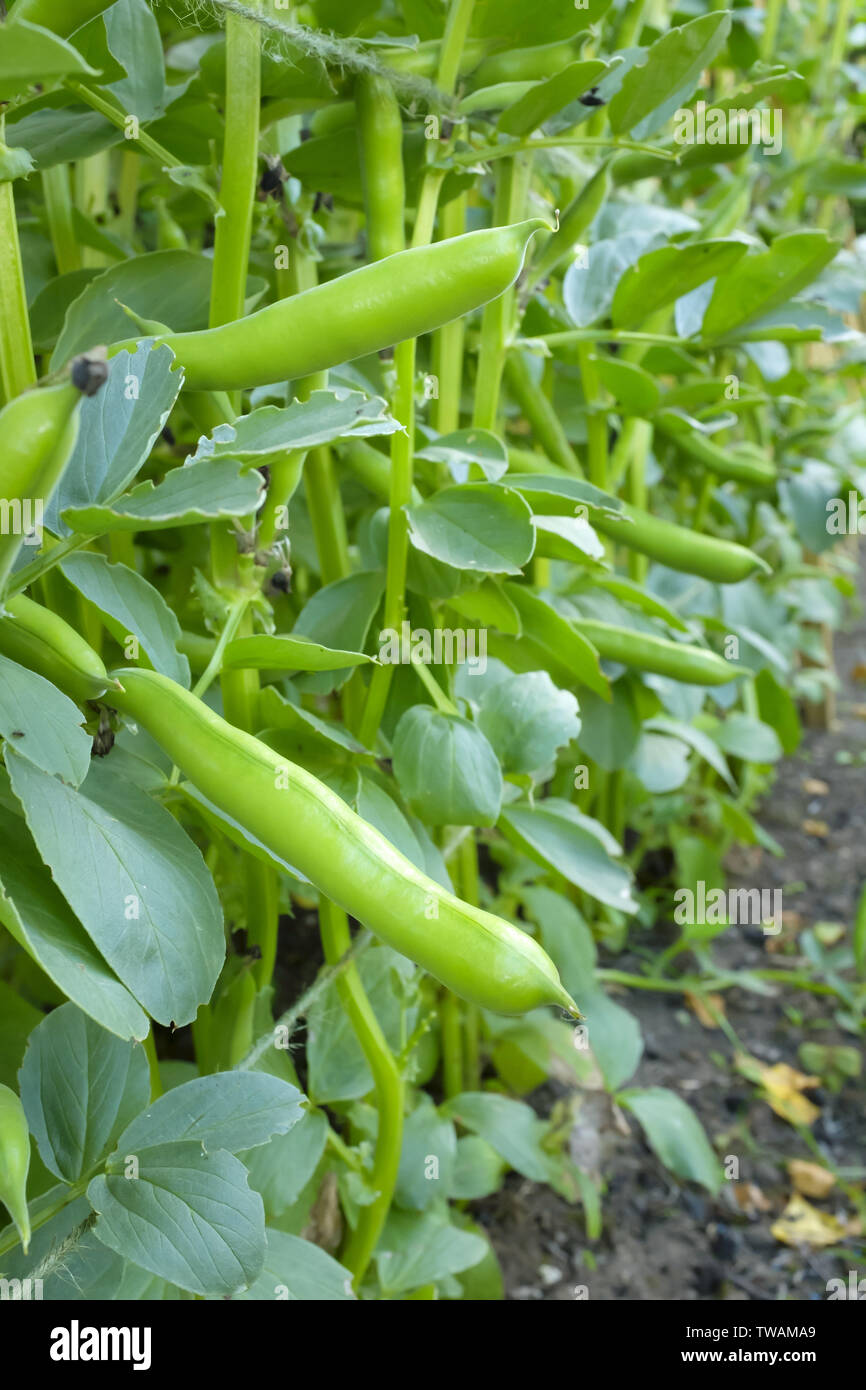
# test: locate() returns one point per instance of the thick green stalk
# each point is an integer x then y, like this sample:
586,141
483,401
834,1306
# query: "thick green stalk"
388,1084
452,1044
58,207
453,42
92,177
540,413
637,489
596,418
239,171
469,891
240,689
497,323
17,368
449,342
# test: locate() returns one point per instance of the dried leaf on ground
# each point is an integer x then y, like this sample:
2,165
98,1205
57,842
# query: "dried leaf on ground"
802,1224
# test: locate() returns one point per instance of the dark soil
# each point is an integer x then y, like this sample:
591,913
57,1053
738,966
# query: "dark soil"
666,1240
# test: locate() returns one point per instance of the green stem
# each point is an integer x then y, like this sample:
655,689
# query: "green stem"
772,16
239,171
498,319
118,117
469,891
17,368
449,342
58,209
127,192
388,1085
596,418
44,1209
402,459
452,1044
554,142
453,43
539,411
642,434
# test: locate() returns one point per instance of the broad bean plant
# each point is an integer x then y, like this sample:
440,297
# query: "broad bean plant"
430,452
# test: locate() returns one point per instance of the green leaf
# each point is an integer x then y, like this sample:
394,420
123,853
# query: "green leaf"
130,608
272,430
232,1110
415,1250
546,99
446,769
134,39
526,719
135,880
567,538
765,280
777,708
169,286
37,915
557,495
80,1087
742,736
339,616
651,93
510,1127
338,1069
478,1170
466,450
663,275
269,653
633,389
280,1169
42,724
611,729
118,428
476,526
859,941
676,1134
696,739
188,1217
554,833
31,54
427,1157
555,635
196,492
295,1270
660,763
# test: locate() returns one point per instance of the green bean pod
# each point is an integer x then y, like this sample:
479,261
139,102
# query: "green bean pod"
14,1161
38,431
376,307
740,464
658,655
39,639
474,953
720,561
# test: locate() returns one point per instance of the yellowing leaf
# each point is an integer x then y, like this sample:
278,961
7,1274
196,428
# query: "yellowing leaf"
782,1088
802,1224
810,1179
707,1008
